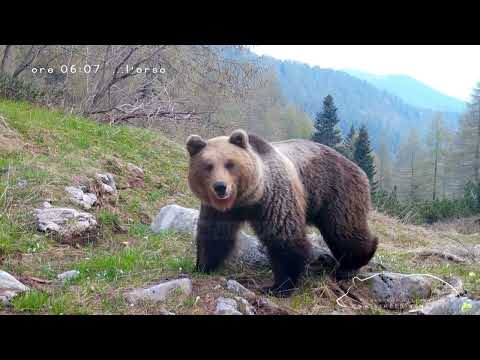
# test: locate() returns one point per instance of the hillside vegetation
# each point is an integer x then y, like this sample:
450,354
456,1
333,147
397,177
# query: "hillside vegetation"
43,151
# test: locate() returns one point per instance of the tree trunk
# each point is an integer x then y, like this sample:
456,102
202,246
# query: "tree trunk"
6,53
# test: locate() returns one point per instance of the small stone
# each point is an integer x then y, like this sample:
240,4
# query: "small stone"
107,182
80,198
160,292
239,289
68,275
226,306
46,205
9,287
22,184
245,306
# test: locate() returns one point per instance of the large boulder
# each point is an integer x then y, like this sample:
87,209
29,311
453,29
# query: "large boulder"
174,217
398,291
67,225
9,287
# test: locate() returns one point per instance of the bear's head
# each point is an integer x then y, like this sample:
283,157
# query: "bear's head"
224,171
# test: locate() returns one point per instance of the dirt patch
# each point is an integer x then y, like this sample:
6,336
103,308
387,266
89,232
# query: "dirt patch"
128,175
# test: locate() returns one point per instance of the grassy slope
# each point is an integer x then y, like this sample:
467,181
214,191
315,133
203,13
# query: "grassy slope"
61,147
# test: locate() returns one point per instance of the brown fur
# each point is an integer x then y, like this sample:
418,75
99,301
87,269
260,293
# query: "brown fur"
279,188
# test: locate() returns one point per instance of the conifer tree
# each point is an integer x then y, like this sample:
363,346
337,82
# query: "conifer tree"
348,143
326,130
363,156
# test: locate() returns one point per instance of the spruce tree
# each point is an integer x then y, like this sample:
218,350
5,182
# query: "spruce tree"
349,143
326,131
363,156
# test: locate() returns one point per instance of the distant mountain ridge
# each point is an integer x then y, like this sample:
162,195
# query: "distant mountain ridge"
358,101
412,91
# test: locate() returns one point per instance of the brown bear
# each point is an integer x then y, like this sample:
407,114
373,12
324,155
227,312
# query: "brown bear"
279,188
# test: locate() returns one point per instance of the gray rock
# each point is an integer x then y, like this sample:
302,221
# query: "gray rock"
444,289
46,204
80,198
249,250
245,307
240,290
226,306
107,182
68,275
465,251
160,292
22,184
397,291
65,222
9,287
174,217
450,305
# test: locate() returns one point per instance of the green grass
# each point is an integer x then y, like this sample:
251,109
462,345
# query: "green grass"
31,301
61,147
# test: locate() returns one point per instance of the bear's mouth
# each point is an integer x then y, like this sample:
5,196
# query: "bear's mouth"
223,197
223,202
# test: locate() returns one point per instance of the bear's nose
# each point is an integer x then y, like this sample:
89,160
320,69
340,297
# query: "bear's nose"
220,188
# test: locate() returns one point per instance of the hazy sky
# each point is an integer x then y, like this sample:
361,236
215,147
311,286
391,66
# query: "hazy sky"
451,69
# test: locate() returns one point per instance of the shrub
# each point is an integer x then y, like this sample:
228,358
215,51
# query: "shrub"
15,89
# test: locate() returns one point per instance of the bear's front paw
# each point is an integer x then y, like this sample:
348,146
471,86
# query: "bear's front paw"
203,268
281,291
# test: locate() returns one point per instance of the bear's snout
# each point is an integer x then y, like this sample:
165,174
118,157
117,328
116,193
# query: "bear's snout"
220,188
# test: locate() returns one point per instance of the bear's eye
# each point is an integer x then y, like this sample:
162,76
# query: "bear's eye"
209,167
229,165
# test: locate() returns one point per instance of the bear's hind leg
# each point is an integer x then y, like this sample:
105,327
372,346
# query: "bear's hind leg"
216,236
351,243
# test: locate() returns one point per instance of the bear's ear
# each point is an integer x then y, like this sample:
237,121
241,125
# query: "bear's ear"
240,138
194,144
